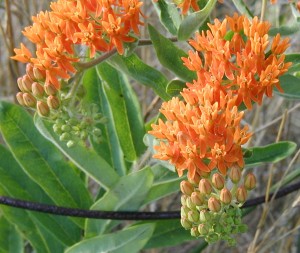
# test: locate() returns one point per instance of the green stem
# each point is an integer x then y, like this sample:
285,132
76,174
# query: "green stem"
263,10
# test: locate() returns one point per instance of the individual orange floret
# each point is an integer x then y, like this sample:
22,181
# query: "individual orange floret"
185,5
131,14
23,54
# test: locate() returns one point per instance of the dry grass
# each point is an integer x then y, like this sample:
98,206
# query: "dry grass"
273,227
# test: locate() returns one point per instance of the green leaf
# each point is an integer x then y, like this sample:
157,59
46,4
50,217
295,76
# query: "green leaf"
165,183
193,21
168,233
86,159
10,239
41,160
134,67
170,55
285,30
125,111
168,15
290,85
270,154
174,87
295,59
127,195
129,240
242,8
17,184
109,148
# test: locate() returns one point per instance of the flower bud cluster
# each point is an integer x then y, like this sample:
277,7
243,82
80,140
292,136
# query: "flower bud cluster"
211,204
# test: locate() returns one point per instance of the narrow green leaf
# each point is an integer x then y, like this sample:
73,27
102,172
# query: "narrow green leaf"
86,159
242,8
170,55
109,148
193,21
125,111
270,154
290,85
285,30
174,87
129,240
40,159
127,195
134,67
17,184
168,15
168,233
295,59
10,239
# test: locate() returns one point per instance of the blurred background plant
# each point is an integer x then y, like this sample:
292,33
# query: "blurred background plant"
273,227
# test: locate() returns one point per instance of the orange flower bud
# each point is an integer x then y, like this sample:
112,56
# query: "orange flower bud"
235,174
214,204
20,84
50,89
218,181
29,100
195,180
53,102
20,99
205,186
186,187
37,90
250,181
38,74
197,198
42,109
225,196
29,71
26,83
241,194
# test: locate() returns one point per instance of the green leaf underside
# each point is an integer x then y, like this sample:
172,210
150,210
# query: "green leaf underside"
53,174
170,55
10,239
129,240
134,67
290,85
127,195
194,20
174,87
168,15
109,148
270,154
125,111
86,159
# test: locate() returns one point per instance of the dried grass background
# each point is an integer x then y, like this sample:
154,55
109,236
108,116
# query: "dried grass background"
277,119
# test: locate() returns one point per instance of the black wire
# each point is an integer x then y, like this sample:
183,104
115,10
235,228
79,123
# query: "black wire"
123,215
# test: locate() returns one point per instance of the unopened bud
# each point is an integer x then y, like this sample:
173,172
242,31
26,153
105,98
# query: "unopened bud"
196,179
50,89
203,229
65,137
186,187
66,128
241,194
20,84
20,99
193,216
29,71
42,109
26,82
195,232
214,204
37,90
97,132
190,204
197,198
71,144
250,181
184,211
38,74
204,216
53,102
205,186
204,174
218,181
183,199
186,223
29,100
235,174
225,196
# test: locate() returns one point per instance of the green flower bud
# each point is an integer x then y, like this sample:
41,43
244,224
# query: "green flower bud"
186,187
214,204
97,132
250,181
212,238
42,109
218,181
184,211
57,129
66,128
193,216
195,232
204,216
71,143
203,229
65,137
205,187
183,199
197,198
190,203
83,135
186,223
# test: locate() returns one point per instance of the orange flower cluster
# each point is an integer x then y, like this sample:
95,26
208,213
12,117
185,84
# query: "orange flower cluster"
98,24
204,131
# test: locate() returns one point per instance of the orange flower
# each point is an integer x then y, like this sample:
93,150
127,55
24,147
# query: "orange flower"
23,54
